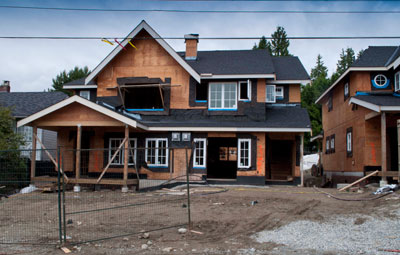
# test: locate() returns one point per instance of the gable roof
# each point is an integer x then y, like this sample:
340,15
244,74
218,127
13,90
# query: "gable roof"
375,58
377,102
77,99
131,35
24,104
289,68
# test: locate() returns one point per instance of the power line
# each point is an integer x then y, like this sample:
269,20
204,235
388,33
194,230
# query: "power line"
201,38
198,11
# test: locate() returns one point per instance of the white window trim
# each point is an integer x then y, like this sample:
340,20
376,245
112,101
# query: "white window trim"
248,82
204,140
222,96
397,81
157,149
328,145
88,91
281,94
382,75
349,146
240,140
121,151
332,146
346,89
266,97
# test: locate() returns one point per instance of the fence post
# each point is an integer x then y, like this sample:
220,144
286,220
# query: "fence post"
188,189
63,198
59,197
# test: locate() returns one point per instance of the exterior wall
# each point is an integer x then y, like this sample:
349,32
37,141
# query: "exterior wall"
294,93
261,91
150,60
287,137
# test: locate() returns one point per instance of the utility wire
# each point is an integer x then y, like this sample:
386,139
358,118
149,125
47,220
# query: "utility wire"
200,38
197,11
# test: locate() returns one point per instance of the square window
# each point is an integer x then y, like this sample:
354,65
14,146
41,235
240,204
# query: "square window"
176,137
222,96
157,152
85,94
114,144
279,92
186,137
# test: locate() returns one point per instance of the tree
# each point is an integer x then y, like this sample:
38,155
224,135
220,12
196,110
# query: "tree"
279,44
9,139
64,77
319,70
347,58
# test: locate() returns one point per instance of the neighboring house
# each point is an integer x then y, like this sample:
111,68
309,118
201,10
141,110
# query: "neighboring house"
23,104
244,103
359,117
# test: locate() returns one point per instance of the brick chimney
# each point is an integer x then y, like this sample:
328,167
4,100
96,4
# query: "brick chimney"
5,87
191,41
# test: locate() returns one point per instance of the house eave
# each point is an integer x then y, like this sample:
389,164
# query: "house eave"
80,87
302,82
231,129
236,76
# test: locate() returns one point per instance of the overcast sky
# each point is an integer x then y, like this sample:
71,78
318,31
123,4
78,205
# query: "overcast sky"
30,65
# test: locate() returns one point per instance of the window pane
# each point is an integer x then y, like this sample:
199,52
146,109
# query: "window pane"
270,93
244,90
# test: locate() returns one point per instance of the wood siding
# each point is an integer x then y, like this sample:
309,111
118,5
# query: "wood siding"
294,93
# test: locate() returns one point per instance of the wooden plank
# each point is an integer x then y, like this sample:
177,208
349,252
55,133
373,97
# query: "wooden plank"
371,115
51,158
88,181
111,160
72,123
161,95
388,173
359,180
383,144
126,155
78,151
33,155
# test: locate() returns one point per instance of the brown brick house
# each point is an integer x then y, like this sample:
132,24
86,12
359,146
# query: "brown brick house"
359,117
244,101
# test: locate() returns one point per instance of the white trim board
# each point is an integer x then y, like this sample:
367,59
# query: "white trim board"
302,82
345,73
237,76
374,107
80,87
229,129
153,33
85,102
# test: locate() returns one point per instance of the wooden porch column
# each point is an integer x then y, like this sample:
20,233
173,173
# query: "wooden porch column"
301,159
383,146
78,152
126,154
33,155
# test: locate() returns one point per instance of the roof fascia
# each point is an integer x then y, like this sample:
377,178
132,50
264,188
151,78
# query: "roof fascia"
345,73
303,82
236,76
390,108
229,129
364,104
85,102
80,87
153,33
395,63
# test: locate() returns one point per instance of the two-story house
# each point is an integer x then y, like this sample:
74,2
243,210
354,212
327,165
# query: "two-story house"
239,108
360,113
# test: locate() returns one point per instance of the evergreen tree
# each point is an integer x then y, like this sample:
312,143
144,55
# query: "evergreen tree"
279,42
64,77
347,58
262,44
319,70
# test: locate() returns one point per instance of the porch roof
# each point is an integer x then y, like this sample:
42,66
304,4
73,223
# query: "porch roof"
386,102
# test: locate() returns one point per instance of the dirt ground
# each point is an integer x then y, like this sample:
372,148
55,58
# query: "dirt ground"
224,222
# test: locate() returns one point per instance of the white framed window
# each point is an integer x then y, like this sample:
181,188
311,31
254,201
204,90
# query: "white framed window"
327,147
245,90
397,81
85,94
222,96
270,93
199,156
279,92
332,143
244,153
346,90
349,142
113,145
157,152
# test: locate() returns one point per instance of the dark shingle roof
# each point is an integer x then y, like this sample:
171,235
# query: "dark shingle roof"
27,103
232,62
289,68
380,100
377,56
276,117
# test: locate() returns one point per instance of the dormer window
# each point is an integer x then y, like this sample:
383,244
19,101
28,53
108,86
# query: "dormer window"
380,81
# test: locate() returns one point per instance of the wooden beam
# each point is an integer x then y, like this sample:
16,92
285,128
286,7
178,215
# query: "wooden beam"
68,123
383,145
33,155
388,173
126,153
371,115
111,160
87,180
78,151
51,158
359,180
301,159
162,98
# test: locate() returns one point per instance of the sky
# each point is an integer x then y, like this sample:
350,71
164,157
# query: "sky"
30,65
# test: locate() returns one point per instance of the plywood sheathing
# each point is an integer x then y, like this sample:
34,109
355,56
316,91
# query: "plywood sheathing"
260,158
294,93
150,60
261,90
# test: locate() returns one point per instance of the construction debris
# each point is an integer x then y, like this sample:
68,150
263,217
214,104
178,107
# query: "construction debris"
65,250
387,189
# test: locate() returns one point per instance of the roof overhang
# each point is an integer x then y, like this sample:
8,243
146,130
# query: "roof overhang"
157,37
230,129
303,82
207,76
85,102
80,86
345,73
374,107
